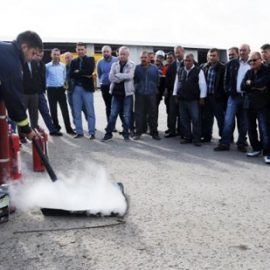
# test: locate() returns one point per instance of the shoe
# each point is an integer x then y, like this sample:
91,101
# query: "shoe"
92,137
222,147
197,144
205,140
185,141
267,159
71,132
242,148
56,133
114,130
137,137
156,137
121,132
253,153
126,139
107,137
167,131
169,135
77,136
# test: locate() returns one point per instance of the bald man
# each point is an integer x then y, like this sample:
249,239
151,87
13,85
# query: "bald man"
235,71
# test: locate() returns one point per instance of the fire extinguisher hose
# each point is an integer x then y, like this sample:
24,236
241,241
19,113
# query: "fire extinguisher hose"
45,162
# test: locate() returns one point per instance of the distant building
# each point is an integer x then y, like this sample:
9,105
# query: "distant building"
94,49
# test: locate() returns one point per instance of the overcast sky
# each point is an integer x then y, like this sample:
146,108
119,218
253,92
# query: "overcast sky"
218,23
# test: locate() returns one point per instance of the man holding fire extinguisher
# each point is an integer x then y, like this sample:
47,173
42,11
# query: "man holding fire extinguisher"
12,56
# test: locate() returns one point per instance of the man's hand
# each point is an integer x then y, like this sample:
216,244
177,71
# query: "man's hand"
30,136
202,102
248,82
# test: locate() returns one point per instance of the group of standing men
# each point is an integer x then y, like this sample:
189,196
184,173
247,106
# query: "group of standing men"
194,94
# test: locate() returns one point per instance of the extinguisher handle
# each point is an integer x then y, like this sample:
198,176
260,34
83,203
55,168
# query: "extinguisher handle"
45,161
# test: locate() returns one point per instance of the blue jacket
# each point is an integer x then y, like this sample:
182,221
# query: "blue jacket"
103,70
146,80
11,83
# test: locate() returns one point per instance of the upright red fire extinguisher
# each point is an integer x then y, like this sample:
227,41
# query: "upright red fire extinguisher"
41,139
4,145
14,156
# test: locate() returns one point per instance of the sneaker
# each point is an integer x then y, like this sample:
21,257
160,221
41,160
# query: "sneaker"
107,137
77,136
242,148
253,154
56,133
185,141
126,139
92,137
71,131
197,144
167,131
169,135
137,137
267,159
156,137
222,147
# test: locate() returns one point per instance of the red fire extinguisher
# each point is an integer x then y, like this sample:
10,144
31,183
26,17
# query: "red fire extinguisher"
4,145
41,139
14,156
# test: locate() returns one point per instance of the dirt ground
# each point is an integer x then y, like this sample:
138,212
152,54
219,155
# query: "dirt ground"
190,208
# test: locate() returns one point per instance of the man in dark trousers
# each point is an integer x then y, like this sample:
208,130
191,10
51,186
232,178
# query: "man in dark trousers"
42,101
55,82
12,57
30,94
81,72
146,81
215,102
191,93
256,84
171,85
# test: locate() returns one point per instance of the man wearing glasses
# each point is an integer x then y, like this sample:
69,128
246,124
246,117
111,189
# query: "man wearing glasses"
235,71
256,84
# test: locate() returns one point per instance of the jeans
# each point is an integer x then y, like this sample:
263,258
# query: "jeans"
57,95
145,105
235,106
44,111
212,108
262,116
190,113
119,104
82,98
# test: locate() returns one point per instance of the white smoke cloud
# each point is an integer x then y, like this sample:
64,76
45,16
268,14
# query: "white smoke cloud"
89,188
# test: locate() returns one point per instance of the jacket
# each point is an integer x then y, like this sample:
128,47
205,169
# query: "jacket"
258,90
11,83
219,68
127,77
103,70
170,77
146,80
84,77
31,79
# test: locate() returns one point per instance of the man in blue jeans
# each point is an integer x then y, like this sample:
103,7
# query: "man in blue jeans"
81,70
122,90
256,84
235,71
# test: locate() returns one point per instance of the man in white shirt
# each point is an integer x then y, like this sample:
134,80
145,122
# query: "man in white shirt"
192,90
